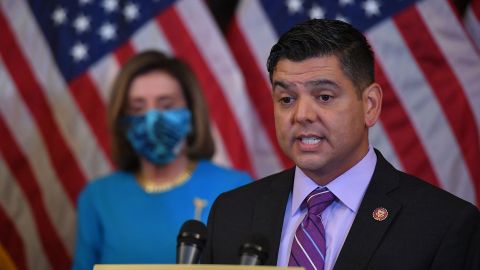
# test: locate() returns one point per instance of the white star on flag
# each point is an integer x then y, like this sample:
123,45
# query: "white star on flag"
107,31
294,6
79,52
110,5
81,23
371,8
316,12
59,15
131,12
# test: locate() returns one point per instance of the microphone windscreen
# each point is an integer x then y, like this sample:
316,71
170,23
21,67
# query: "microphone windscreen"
193,232
255,251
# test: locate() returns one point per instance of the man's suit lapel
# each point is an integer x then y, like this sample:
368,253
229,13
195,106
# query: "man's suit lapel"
268,214
366,233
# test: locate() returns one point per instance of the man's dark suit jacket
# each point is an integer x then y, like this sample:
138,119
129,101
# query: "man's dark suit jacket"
426,227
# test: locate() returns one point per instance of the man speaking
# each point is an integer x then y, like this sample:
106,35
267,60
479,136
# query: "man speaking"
343,206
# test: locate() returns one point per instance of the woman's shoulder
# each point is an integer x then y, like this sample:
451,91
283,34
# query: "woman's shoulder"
110,181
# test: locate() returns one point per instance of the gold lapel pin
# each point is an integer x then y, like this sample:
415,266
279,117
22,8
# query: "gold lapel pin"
380,214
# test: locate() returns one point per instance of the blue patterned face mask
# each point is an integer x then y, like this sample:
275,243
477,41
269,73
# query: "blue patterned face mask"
159,135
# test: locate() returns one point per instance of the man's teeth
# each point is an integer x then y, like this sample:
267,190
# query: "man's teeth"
312,140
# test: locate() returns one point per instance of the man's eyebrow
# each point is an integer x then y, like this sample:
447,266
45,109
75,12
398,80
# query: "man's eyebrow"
322,83
281,84
309,84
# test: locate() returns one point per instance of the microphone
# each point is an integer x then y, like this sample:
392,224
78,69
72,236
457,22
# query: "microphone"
254,252
191,241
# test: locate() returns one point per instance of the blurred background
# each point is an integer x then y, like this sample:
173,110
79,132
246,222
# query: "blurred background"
58,58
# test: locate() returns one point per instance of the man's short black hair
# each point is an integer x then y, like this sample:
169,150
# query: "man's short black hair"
321,37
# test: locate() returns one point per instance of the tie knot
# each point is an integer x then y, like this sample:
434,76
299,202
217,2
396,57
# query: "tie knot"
318,200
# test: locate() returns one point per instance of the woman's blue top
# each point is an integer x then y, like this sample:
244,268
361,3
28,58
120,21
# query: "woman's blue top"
119,223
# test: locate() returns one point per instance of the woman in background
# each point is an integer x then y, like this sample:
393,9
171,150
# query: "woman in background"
162,147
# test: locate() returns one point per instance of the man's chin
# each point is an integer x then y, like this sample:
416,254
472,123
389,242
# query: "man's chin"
310,164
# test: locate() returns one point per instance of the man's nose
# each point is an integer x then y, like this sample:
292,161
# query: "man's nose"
305,110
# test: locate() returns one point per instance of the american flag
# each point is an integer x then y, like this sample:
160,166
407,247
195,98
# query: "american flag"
471,20
426,63
58,59
57,62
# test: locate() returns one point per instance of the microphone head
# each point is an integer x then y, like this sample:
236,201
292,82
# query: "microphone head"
254,252
193,232
190,242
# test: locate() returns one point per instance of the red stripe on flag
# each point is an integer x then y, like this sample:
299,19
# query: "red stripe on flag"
185,47
93,109
11,241
446,87
92,106
475,6
402,133
124,52
62,158
258,89
19,166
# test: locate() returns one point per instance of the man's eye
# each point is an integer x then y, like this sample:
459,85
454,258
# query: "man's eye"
286,100
325,97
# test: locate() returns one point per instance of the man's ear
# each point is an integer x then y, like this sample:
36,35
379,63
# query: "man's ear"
372,103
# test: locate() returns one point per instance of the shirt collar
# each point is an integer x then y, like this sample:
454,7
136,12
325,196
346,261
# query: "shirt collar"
349,187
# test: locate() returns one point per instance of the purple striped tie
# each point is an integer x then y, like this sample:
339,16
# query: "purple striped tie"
309,246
